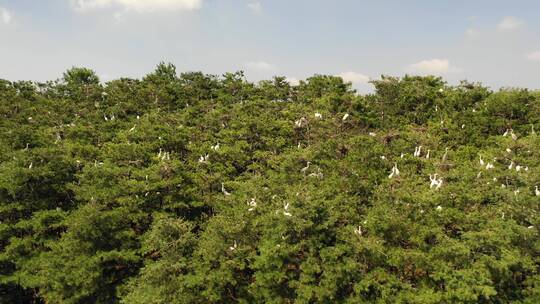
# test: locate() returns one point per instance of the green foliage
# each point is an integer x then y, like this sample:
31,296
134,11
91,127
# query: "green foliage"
196,188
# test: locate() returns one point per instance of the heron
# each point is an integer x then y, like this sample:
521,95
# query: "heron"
31,165
286,210
304,170
508,150
506,132
445,156
532,130
345,117
439,208
132,129
252,204
223,190
318,115
536,191
215,147
233,247
395,171
489,166
514,136
481,161
358,230
427,155
372,134
511,166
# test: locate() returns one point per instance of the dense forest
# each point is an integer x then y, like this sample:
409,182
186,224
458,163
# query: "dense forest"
195,188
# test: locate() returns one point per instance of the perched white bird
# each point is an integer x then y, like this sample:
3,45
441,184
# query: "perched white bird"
286,210
372,134
514,136
427,155
508,150
417,151
506,132
252,204
536,191
463,126
31,165
511,166
395,171
223,190
345,117
383,157
402,155
233,247
203,159
132,129
532,130
105,117
439,208
304,170
435,182
318,115
215,147
481,161
445,155
358,230
518,168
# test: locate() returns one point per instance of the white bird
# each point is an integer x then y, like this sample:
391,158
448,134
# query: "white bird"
514,136
506,132
439,183
286,210
203,159
427,155
508,150
532,130
132,129
138,117
439,208
358,230
402,155
536,191
233,247
516,192
318,115
304,170
105,117
223,190
383,157
372,134
518,168
445,155
252,203
481,161
345,116
395,171
417,151
463,126
31,165
511,166
215,147
433,179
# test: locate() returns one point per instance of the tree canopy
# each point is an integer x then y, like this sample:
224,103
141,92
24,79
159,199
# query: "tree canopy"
195,188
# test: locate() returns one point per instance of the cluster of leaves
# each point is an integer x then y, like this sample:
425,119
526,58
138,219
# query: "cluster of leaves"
194,188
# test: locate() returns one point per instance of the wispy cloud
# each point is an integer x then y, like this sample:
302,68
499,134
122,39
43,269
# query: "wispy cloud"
141,6
433,66
255,6
533,56
354,77
509,23
472,33
261,66
5,16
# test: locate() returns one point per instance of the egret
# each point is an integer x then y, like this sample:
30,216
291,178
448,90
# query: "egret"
26,148
536,191
358,230
372,134
514,136
463,126
304,170
395,171
516,192
252,203
138,117
439,183
233,247
508,150
439,208
31,165
532,130
383,157
105,116
215,147
481,161
530,227
518,168
427,155
223,190
318,115
511,166
286,210
445,156
434,181
345,117
479,174
402,155
506,132
132,129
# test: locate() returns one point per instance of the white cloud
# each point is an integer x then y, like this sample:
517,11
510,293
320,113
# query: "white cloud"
262,66
534,56
355,78
5,16
255,6
472,33
433,66
141,6
509,23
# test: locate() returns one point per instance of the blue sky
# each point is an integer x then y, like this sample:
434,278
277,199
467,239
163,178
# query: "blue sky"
494,42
